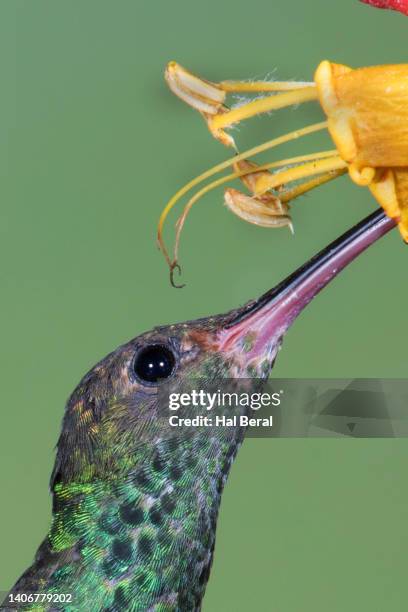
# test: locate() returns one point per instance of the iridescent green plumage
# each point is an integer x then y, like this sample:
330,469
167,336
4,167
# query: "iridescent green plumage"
143,541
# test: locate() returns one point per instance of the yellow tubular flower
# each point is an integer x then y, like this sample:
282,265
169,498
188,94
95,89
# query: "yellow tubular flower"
367,111
367,118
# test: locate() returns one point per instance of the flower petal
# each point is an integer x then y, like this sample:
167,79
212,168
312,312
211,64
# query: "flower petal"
395,5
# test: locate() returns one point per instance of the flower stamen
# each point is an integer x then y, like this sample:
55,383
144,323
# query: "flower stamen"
265,183
199,93
316,127
208,98
263,86
267,211
295,192
263,105
248,174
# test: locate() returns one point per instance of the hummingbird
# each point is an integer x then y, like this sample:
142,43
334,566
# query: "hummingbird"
135,504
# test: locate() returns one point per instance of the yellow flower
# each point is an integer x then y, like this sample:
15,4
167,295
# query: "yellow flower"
367,119
367,112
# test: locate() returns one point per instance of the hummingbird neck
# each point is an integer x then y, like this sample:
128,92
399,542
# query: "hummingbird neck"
147,536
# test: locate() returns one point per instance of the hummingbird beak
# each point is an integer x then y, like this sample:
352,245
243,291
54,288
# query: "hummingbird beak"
255,331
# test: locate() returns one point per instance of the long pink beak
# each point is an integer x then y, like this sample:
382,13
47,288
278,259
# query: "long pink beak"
255,330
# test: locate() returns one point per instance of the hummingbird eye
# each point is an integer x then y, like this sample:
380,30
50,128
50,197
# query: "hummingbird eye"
154,363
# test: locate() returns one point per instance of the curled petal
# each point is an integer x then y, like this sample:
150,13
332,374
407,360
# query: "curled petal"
257,211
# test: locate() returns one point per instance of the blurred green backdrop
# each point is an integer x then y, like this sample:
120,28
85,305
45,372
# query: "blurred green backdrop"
92,144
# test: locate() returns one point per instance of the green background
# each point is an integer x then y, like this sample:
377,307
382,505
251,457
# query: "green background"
92,144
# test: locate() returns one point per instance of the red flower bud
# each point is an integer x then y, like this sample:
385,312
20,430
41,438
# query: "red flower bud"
395,5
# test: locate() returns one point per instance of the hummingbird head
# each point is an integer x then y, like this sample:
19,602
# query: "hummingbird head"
112,417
